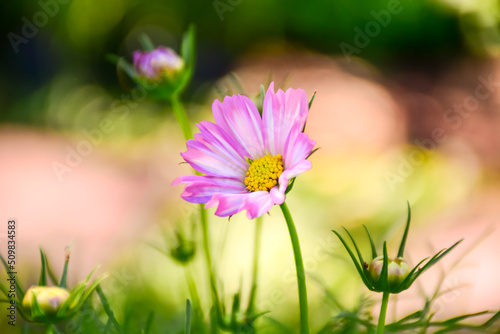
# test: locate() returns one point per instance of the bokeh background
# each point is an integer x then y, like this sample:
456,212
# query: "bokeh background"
407,109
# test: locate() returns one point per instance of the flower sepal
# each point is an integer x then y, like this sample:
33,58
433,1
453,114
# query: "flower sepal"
385,274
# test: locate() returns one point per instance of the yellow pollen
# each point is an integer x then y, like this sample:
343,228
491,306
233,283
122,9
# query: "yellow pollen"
264,172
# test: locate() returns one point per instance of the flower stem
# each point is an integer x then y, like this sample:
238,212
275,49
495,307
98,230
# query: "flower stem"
256,251
301,277
208,257
383,311
51,329
181,117
194,295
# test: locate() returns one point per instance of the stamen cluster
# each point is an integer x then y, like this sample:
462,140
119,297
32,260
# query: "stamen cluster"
264,172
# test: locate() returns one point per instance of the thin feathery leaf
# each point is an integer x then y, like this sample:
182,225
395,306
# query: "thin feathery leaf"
383,282
313,151
438,257
262,96
189,315
64,277
50,272
372,244
19,289
454,320
409,278
312,99
36,311
354,260
405,234
491,320
107,309
146,43
361,260
42,281
149,323
188,51
310,104
122,64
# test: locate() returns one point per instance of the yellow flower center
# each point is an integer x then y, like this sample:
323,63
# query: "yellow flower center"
263,173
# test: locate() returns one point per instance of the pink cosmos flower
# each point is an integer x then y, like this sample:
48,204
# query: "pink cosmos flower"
248,160
152,64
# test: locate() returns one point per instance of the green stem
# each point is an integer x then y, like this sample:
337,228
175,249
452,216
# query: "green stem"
208,257
301,276
181,117
51,329
194,294
256,251
383,312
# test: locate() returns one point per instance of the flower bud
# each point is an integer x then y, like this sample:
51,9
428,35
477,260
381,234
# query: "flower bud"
397,270
49,299
160,62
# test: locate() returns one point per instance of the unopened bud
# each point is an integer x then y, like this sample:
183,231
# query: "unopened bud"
158,62
49,299
397,270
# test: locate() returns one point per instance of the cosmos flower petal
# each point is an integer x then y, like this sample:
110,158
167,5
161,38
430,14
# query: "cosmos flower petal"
277,196
298,146
239,117
281,111
205,158
200,189
223,144
297,169
256,203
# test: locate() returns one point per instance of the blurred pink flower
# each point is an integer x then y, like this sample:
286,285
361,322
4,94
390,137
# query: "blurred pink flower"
248,160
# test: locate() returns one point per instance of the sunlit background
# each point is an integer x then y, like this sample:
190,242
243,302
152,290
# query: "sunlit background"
407,109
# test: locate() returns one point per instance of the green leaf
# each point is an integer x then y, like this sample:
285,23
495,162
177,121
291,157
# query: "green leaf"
262,97
313,151
460,318
64,276
188,52
42,281
51,273
112,58
361,261
36,311
372,244
189,314
149,323
19,290
405,234
310,104
437,257
107,309
383,281
355,261
312,99
126,67
491,320
408,281
290,186
146,43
